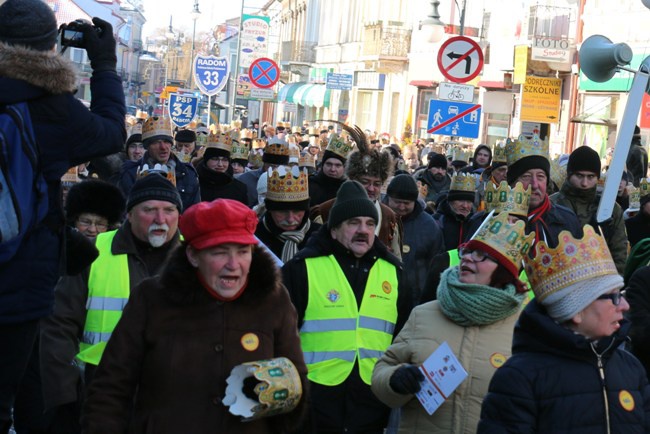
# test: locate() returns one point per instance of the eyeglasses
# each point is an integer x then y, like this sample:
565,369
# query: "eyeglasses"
476,255
615,297
86,223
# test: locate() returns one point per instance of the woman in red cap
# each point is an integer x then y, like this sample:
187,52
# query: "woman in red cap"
218,303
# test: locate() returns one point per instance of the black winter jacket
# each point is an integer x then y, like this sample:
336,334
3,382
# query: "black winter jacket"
454,226
323,188
216,185
552,383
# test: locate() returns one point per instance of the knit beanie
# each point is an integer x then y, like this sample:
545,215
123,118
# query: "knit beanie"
583,158
153,187
329,154
185,136
519,167
403,187
351,201
30,23
437,160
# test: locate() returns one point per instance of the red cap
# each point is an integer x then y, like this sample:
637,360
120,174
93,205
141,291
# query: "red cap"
221,221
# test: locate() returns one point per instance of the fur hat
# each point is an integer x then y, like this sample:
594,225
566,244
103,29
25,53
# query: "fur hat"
30,23
95,197
185,136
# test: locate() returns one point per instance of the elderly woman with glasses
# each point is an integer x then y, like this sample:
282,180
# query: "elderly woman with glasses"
569,371
478,303
94,206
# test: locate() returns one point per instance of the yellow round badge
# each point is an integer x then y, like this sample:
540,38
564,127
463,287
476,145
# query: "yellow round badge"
406,248
626,399
250,341
386,287
497,360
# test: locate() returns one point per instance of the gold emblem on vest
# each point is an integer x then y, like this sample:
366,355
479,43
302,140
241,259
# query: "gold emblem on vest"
497,360
626,399
385,286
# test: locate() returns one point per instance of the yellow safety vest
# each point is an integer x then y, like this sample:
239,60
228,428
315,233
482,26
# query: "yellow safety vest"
335,331
108,292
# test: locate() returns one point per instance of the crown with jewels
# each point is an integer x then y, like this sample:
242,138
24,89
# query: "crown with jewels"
259,143
161,169
500,238
463,182
157,126
240,151
503,199
499,153
635,198
307,160
255,159
572,261
524,147
220,141
558,172
294,153
136,129
644,187
339,146
246,134
286,184
277,146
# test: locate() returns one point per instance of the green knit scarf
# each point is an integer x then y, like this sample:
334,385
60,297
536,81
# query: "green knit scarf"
475,305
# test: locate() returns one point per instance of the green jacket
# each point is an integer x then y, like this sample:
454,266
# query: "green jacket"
585,204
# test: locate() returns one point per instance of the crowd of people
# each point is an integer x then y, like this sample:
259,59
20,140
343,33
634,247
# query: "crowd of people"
283,278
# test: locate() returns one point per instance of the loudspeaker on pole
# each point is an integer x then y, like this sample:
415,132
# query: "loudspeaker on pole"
600,57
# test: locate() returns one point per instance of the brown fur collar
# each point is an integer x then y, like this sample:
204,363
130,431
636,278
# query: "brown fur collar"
45,69
181,284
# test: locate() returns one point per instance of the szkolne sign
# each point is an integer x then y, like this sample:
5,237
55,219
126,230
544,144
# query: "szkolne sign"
540,101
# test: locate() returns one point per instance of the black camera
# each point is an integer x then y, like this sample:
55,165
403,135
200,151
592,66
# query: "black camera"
72,34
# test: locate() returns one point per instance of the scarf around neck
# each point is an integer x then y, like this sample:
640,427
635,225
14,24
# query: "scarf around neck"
469,304
291,239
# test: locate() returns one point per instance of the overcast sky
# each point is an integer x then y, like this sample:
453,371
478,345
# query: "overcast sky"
213,12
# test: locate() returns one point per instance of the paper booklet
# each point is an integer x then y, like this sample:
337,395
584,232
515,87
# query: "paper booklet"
443,373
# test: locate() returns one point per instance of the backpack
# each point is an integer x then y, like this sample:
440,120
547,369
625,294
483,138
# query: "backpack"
23,190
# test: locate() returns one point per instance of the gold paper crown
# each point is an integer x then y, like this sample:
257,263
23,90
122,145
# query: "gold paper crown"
572,261
255,160
307,160
136,129
635,198
313,131
499,153
234,135
287,184
235,125
644,187
240,151
296,130
259,144
246,134
463,182
339,146
277,147
504,199
524,147
220,141
277,390
161,169
157,126
294,153
505,238
558,172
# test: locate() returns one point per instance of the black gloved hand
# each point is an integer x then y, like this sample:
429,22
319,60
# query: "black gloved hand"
406,380
100,46
249,388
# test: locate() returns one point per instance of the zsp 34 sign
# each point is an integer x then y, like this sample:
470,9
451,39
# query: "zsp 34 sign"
211,73
182,108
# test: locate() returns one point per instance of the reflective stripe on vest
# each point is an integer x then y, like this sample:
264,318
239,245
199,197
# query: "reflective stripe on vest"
108,292
335,332
454,258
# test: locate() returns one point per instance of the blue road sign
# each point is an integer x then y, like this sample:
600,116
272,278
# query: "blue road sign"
182,108
339,81
211,73
451,118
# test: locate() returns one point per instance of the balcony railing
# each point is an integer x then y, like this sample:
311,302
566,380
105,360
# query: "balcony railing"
550,22
390,39
298,51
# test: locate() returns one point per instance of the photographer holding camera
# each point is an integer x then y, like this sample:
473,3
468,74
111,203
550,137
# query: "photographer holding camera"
67,134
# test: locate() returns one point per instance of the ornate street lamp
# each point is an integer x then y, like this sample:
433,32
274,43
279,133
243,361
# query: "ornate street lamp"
196,13
434,27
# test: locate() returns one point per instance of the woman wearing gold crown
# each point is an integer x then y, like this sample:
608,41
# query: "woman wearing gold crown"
568,371
478,304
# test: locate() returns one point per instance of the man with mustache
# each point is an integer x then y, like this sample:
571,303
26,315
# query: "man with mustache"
528,163
285,226
89,305
348,312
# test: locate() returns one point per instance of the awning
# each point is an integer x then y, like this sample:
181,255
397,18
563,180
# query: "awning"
492,84
423,83
306,94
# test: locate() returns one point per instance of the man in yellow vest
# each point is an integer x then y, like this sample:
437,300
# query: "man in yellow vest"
89,305
348,312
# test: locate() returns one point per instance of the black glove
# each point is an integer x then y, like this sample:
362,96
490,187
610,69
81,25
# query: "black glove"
406,380
100,46
249,388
